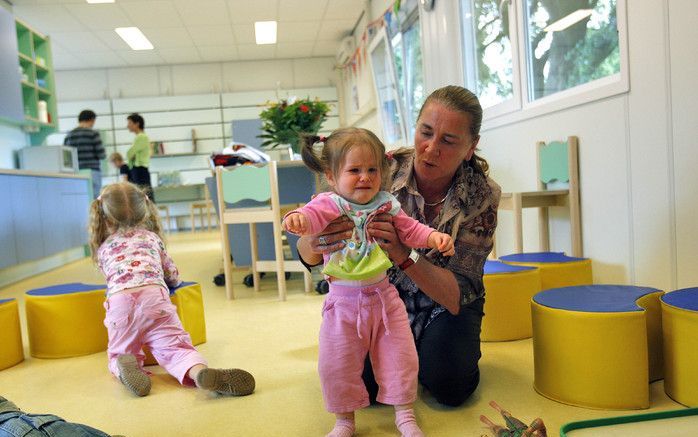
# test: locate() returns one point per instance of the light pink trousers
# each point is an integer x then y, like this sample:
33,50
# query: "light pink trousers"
148,318
359,320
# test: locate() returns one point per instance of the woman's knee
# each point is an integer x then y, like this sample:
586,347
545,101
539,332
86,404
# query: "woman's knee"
453,390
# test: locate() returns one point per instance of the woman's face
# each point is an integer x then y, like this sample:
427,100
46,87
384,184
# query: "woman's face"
442,141
131,126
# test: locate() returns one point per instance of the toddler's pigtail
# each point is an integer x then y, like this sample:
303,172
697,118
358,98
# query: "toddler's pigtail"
152,218
308,153
97,227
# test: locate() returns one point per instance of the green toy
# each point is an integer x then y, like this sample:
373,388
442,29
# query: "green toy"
514,427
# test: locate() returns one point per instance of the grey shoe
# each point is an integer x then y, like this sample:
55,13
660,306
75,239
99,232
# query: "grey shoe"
131,375
232,382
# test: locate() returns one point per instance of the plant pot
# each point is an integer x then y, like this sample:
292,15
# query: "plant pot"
282,152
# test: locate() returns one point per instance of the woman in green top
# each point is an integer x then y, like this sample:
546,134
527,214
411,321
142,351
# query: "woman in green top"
138,155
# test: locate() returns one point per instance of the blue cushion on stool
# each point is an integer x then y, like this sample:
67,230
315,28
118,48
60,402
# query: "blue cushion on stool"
2,301
495,267
55,290
594,298
540,257
686,299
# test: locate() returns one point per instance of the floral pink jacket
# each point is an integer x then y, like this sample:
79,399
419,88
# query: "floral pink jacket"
134,258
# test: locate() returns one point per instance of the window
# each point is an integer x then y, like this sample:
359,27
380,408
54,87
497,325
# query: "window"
407,47
488,50
520,54
570,43
387,92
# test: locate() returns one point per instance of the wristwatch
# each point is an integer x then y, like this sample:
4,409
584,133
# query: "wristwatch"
412,258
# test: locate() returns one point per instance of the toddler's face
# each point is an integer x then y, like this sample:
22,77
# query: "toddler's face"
359,178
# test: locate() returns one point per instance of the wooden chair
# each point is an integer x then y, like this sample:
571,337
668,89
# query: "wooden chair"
558,185
257,183
166,222
202,209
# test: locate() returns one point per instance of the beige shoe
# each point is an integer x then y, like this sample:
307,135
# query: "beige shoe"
132,376
232,382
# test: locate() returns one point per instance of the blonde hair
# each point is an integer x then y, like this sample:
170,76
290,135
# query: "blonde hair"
121,206
116,156
335,149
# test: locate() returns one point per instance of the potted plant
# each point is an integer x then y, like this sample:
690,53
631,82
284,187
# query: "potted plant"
283,122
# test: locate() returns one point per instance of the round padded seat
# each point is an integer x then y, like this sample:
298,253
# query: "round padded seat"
66,320
556,269
680,333
597,346
508,293
11,349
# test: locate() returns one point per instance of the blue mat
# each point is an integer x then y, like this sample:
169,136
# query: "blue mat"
594,298
686,299
2,301
540,257
494,267
75,287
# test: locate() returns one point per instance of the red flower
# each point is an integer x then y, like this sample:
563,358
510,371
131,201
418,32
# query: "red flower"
304,108
120,258
135,264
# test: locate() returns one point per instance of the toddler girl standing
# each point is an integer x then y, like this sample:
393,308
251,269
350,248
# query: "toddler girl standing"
126,243
363,313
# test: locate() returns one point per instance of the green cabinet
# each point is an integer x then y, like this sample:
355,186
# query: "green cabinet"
37,82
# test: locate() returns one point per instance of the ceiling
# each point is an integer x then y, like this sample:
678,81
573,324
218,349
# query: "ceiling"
187,31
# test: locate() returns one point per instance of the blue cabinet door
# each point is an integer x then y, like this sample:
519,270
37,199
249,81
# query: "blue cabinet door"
26,215
8,251
57,216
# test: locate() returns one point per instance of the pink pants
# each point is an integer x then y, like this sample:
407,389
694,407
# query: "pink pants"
149,318
359,320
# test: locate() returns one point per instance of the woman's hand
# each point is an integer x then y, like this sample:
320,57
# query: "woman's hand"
382,230
332,237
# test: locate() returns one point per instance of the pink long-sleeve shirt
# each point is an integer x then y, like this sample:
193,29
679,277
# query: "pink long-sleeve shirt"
134,258
326,207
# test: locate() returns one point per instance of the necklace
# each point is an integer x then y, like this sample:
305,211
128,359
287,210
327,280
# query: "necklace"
440,201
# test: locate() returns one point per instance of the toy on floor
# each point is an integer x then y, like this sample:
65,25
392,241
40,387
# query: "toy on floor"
515,427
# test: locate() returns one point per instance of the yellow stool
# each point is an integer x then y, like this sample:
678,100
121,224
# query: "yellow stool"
11,349
680,326
508,293
66,320
556,269
597,346
190,309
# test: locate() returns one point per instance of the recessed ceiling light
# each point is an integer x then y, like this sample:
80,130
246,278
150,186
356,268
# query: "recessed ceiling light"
134,38
100,1
265,32
568,20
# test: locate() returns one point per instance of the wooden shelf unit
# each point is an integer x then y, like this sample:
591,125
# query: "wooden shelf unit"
36,63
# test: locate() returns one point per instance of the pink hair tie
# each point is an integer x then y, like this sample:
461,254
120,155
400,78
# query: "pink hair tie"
322,139
99,197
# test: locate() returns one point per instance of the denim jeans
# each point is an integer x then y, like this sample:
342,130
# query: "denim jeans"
16,423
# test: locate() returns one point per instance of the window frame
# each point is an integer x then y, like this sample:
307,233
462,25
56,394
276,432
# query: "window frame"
521,107
382,37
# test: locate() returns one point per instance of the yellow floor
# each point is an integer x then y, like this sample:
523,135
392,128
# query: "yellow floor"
277,342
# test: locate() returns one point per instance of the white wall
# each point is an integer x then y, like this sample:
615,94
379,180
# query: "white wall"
186,79
639,185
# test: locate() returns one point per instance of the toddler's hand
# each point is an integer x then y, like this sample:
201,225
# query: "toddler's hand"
296,223
442,242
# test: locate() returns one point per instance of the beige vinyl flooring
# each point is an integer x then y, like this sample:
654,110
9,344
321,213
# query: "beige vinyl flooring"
277,342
